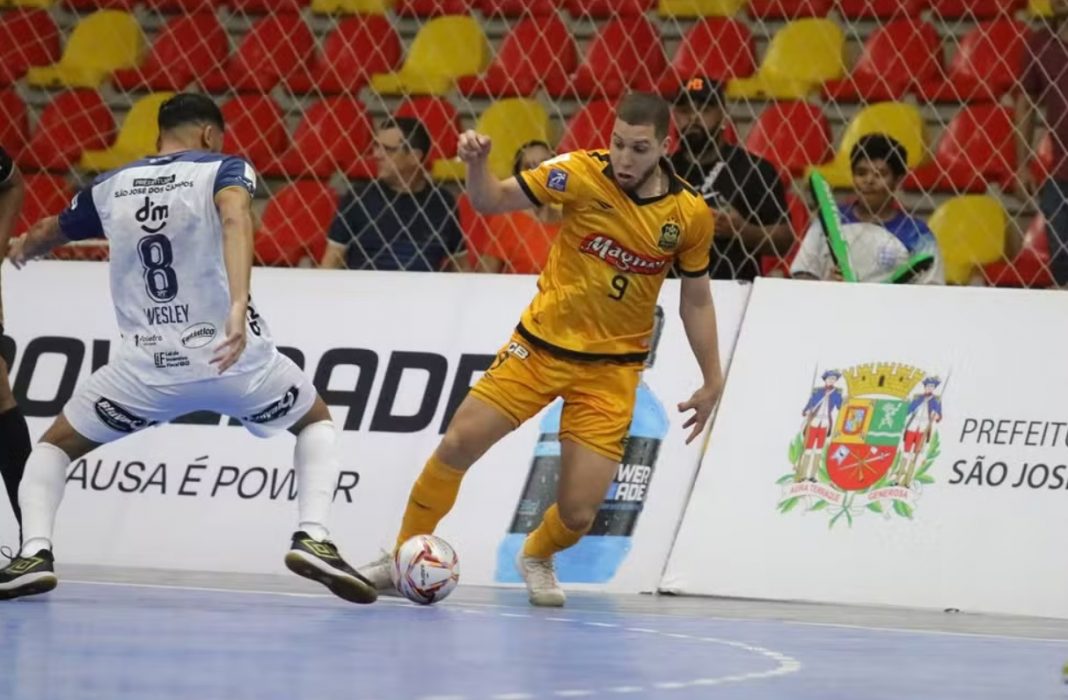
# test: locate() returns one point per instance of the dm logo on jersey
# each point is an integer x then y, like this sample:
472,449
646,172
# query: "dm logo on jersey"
557,180
277,409
669,236
867,449
118,418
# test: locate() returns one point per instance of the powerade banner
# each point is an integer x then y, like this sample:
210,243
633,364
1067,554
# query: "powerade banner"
393,354
887,445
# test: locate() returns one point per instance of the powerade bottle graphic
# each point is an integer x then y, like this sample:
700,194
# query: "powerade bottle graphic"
598,556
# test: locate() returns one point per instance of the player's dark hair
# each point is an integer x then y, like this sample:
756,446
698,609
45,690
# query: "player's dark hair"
880,147
189,108
517,161
641,108
416,137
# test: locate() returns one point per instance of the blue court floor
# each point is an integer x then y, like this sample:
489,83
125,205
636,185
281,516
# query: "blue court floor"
162,641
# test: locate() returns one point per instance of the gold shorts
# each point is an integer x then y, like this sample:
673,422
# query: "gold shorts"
598,396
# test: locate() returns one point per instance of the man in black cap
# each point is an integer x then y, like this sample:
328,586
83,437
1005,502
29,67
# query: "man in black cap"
746,191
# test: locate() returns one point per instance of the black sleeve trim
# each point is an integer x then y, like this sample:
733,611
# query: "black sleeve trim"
695,273
526,190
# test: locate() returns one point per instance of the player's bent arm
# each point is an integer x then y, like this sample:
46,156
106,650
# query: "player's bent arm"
235,213
492,196
333,256
11,195
38,241
698,314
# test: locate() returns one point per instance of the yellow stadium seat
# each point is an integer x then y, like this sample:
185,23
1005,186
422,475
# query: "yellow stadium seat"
351,7
901,121
103,42
137,138
45,4
700,8
443,50
801,57
510,123
971,232
1040,8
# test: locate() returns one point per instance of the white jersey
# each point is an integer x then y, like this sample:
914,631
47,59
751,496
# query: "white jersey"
168,277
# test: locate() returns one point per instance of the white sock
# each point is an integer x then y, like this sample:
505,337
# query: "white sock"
316,461
40,494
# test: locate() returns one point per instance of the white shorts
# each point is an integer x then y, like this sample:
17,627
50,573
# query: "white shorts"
113,403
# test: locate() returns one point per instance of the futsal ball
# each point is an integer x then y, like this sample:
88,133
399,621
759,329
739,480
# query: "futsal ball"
426,569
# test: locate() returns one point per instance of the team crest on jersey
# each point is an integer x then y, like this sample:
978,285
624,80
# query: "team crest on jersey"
669,236
557,180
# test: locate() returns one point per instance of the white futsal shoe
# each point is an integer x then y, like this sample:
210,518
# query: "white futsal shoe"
540,576
379,573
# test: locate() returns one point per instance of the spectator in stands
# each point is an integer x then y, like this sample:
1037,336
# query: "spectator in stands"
878,163
1045,85
519,242
401,220
746,191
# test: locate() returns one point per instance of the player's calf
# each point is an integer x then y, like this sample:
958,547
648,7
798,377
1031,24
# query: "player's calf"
28,576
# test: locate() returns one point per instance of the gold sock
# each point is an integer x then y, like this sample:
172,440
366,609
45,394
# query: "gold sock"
551,536
432,497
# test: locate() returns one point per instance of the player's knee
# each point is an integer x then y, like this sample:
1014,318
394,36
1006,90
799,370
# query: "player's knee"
456,448
577,517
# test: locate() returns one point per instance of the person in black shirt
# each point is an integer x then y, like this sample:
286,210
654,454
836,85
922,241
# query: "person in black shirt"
401,220
14,436
745,191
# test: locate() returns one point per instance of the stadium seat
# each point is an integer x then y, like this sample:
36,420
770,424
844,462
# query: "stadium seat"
184,6
441,122
357,49
295,223
103,42
975,9
608,9
1030,267
446,48
74,122
14,122
351,7
46,195
802,56
255,129
333,135
1042,9
854,10
716,48
537,51
896,57
26,4
431,8
685,9
510,122
137,137
267,7
788,9
187,46
276,46
986,65
90,5
792,136
971,232
976,148
27,38
518,8
588,128
626,53
901,121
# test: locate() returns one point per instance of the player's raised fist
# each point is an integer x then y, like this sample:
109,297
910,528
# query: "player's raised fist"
473,146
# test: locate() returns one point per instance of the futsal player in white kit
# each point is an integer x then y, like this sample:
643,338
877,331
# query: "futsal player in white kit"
180,230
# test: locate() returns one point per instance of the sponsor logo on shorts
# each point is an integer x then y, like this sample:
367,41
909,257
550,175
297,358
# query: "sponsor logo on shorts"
518,350
198,335
557,180
147,341
620,257
277,409
118,418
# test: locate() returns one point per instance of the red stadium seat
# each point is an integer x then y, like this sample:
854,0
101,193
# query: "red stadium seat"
538,51
977,147
431,8
986,66
792,136
880,9
360,47
517,8
589,128
14,122
976,9
27,38
276,46
91,5
75,121
626,53
788,9
295,223
255,129
185,6
608,9
333,136
717,48
1030,267
46,195
267,7
441,122
896,57
188,46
